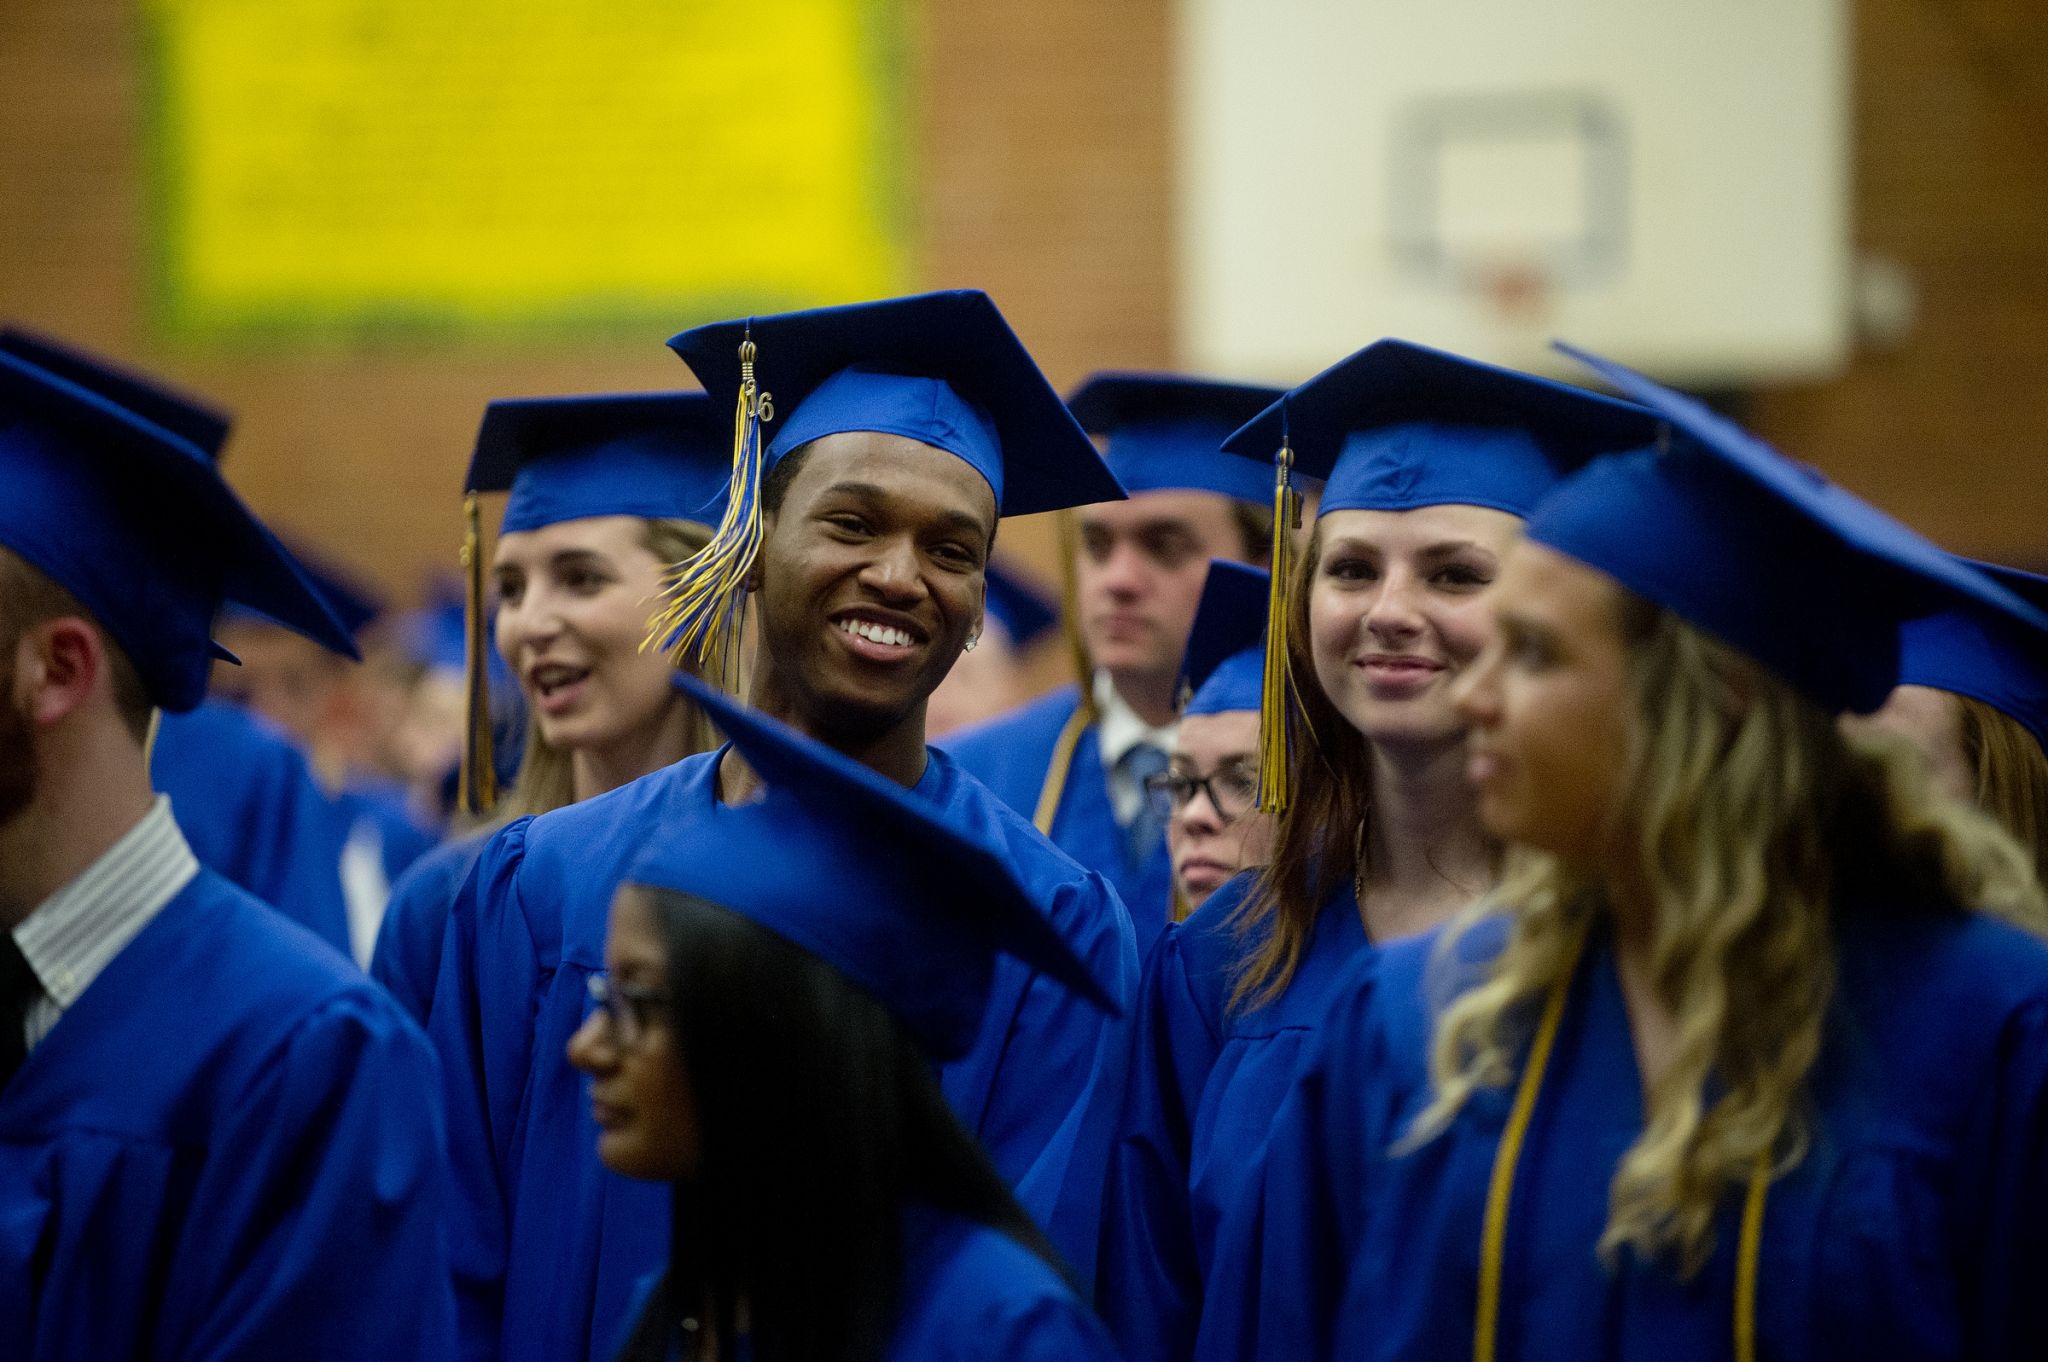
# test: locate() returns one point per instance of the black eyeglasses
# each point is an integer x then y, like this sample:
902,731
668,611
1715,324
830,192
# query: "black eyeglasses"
628,1010
1232,789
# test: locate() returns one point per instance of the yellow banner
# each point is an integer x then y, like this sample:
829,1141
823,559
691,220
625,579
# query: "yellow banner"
468,165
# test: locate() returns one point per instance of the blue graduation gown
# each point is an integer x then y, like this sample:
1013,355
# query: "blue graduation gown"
1181,1218
548,1244
1011,755
408,955
230,1147
253,812
1916,1225
971,1292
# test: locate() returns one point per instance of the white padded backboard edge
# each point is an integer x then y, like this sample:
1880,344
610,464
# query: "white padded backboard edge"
1678,168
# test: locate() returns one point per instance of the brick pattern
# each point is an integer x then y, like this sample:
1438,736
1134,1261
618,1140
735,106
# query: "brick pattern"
1044,149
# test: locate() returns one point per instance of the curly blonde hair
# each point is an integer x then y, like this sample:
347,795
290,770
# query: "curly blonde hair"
1747,822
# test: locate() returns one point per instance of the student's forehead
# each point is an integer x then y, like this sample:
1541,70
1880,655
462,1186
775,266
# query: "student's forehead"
1167,508
879,463
1540,585
634,935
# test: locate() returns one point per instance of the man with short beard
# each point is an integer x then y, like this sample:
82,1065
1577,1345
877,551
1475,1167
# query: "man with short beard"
901,430
217,1140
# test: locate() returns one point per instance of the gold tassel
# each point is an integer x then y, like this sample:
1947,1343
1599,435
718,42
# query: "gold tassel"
476,790
1068,531
704,599
1054,787
1275,693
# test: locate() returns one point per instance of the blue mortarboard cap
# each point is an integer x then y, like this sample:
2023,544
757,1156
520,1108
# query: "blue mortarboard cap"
1759,550
138,525
944,369
1022,611
660,456
1165,432
1985,652
433,637
355,603
190,418
1397,426
867,876
1224,668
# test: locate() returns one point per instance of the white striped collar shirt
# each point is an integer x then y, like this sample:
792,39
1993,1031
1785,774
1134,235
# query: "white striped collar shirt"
1119,729
74,933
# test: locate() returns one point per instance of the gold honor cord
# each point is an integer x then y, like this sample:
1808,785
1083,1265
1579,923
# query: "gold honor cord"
704,598
1056,774
477,783
1493,1232
1275,692
1054,788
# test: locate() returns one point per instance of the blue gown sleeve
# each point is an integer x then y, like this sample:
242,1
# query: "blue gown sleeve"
1148,1282
319,1230
490,974
1044,1330
407,960
2004,1236
1049,1117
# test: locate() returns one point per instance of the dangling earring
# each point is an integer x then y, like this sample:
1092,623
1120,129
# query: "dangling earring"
972,639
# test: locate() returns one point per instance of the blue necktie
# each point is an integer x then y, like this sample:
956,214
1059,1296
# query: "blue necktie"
1148,825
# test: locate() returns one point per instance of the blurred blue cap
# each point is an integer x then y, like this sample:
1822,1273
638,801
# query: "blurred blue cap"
355,603
137,524
1759,550
1165,432
189,417
867,876
1398,426
1986,652
1224,668
434,637
659,456
943,369
1019,607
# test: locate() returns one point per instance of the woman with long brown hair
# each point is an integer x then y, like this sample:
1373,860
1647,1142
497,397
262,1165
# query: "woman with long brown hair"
606,495
1430,462
1747,1054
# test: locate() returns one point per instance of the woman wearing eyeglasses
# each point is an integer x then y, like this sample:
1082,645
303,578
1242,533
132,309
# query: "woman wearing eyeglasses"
1210,788
1431,462
774,1000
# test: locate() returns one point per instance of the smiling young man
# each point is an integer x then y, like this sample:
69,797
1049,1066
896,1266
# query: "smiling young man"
1080,769
217,1139
900,431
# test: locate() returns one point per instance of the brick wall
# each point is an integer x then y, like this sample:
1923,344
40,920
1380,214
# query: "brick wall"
1044,150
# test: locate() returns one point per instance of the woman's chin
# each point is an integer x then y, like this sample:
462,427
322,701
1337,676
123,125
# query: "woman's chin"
1423,721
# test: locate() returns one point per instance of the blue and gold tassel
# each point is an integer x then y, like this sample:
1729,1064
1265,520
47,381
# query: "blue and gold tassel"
1276,694
476,791
704,599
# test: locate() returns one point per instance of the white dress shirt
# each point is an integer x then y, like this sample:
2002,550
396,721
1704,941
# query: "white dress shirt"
74,933
1117,730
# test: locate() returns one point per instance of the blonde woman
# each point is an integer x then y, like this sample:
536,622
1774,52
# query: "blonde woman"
1973,699
606,494
1747,1055
1430,462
